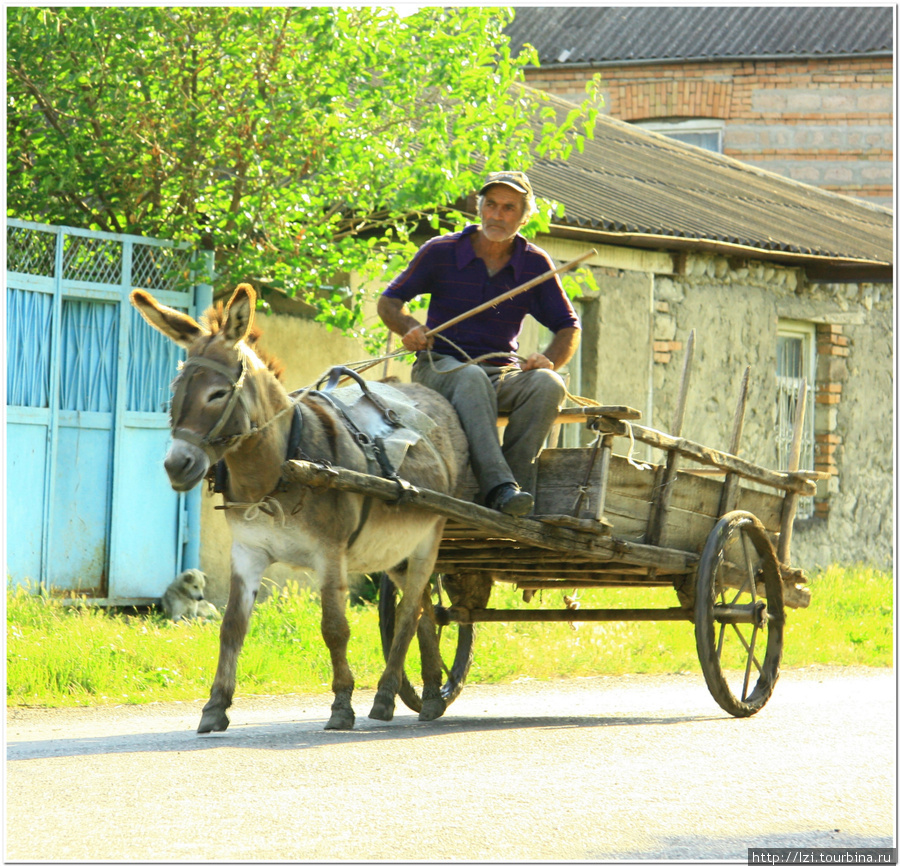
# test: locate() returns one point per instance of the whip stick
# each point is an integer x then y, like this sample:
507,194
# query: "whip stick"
512,293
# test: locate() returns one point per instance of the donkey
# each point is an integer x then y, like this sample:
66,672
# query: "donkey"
228,403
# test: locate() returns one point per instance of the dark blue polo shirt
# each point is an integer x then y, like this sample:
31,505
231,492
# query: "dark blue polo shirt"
447,269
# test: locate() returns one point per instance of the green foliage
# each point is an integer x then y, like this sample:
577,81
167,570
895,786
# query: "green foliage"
301,143
63,655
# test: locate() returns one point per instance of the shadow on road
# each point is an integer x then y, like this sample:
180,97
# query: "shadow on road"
306,734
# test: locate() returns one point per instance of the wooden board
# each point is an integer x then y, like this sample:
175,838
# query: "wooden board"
693,510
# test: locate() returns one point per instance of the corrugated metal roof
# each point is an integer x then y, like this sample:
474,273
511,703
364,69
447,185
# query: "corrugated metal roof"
616,34
651,190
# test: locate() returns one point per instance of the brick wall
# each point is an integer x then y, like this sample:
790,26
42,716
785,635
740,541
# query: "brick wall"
827,123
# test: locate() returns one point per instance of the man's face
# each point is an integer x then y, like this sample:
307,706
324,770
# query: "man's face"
502,210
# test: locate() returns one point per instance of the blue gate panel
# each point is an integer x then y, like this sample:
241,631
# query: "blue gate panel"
26,467
147,511
78,538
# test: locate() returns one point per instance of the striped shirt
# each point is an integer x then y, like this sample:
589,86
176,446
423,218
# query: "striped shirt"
447,269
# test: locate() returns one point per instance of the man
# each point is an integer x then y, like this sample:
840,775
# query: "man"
460,271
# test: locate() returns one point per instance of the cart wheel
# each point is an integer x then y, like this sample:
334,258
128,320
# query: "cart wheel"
739,614
454,643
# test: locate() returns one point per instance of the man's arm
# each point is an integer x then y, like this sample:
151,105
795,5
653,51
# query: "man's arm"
563,345
395,314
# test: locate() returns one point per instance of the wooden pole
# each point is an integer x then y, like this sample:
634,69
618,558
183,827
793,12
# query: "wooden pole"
732,482
663,492
445,616
789,510
685,382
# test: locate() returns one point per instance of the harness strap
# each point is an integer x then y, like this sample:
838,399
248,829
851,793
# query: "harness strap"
220,481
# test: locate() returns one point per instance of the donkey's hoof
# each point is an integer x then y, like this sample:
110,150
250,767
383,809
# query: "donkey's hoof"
432,709
382,707
341,720
212,720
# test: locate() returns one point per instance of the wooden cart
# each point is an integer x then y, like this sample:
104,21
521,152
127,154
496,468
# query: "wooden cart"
706,523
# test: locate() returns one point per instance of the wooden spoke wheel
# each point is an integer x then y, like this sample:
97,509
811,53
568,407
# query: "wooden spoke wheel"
739,614
454,644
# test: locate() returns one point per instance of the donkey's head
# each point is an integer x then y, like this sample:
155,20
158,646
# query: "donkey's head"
210,411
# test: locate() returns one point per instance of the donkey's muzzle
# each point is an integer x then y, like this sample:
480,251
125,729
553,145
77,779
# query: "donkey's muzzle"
186,465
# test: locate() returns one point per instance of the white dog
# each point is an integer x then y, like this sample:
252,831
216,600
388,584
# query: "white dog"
184,597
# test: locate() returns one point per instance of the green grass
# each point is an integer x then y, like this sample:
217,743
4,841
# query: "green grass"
69,655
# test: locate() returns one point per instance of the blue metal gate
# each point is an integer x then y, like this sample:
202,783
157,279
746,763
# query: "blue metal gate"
89,507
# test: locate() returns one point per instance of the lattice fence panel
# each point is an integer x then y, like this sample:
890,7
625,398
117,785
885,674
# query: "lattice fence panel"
30,251
28,320
161,268
92,260
152,361
88,356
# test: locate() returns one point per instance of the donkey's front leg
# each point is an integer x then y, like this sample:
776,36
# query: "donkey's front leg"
336,633
247,567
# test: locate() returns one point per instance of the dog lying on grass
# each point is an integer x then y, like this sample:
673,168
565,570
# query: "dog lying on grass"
184,597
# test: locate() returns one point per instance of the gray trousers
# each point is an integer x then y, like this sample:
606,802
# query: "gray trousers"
479,392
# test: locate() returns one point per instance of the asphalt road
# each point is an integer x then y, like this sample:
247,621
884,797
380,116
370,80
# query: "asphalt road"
626,768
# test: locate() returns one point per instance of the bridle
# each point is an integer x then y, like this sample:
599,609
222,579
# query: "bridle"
210,441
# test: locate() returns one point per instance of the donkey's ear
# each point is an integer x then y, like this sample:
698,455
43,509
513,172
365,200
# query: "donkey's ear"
239,313
177,326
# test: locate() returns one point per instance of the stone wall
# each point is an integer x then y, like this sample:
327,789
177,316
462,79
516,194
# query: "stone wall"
824,122
734,308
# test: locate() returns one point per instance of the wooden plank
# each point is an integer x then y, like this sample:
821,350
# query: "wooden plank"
628,491
522,529
582,414
708,456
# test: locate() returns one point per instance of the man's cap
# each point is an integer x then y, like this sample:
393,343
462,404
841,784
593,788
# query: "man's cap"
518,180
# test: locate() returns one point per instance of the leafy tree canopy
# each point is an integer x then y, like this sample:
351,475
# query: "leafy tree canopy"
301,144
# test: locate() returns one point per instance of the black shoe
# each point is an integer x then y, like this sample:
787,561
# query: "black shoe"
509,499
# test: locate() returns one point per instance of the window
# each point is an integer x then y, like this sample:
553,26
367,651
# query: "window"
701,133
796,361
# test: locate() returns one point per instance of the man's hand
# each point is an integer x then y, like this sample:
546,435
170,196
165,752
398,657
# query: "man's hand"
537,361
415,340
395,314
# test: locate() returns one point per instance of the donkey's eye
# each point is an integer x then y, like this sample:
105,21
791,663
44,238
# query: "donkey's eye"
221,394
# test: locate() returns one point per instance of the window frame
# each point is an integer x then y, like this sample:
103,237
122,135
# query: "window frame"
693,125
786,385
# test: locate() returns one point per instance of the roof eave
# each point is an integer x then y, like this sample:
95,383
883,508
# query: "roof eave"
729,58
818,268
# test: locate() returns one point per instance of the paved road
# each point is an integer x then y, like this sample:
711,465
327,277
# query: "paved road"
626,768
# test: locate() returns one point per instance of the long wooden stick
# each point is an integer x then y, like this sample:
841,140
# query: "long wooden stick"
728,499
789,510
511,293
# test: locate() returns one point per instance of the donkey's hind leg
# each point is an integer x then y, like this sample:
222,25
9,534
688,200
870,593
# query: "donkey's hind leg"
433,704
413,584
247,567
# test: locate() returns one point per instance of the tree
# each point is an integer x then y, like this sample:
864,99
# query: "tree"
300,143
